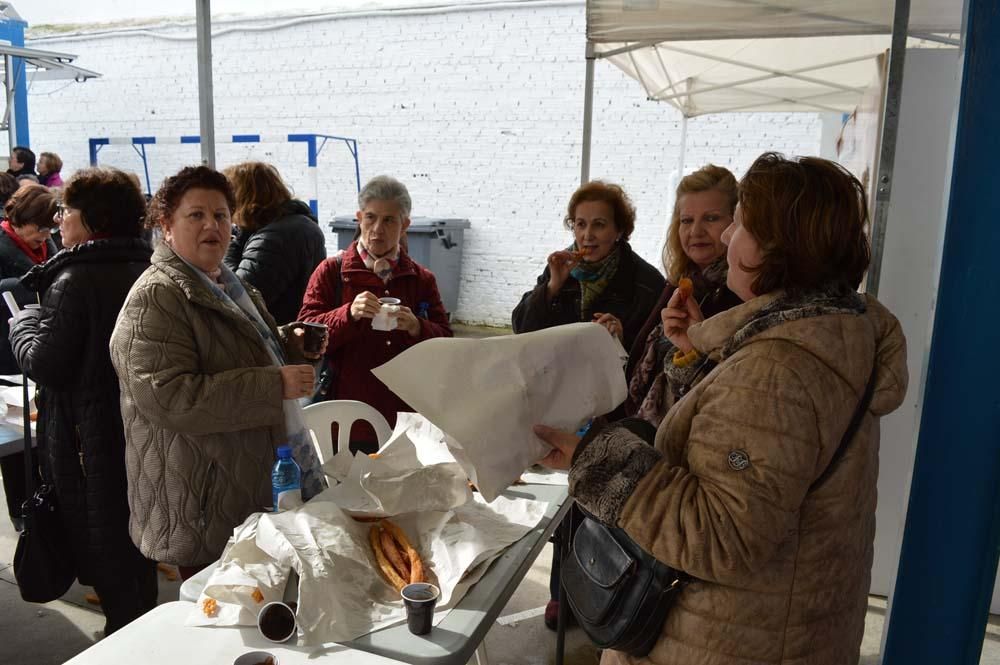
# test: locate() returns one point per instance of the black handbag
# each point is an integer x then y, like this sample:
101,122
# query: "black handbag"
621,594
326,375
43,564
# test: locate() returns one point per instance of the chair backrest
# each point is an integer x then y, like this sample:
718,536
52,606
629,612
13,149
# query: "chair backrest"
345,412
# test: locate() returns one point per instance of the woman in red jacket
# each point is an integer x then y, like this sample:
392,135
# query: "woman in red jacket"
344,294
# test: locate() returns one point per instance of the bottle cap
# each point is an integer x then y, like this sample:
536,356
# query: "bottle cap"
284,452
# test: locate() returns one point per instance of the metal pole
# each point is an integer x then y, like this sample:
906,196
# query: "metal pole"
10,115
887,151
684,142
206,105
948,560
588,115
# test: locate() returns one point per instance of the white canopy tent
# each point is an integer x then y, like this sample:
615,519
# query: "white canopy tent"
719,56
723,56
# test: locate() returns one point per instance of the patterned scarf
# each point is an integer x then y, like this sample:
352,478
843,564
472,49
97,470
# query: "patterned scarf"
594,278
382,265
230,291
650,386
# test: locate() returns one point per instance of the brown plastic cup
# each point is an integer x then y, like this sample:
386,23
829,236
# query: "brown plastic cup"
420,599
315,333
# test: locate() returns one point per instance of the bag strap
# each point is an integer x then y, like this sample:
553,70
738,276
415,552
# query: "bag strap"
852,428
29,477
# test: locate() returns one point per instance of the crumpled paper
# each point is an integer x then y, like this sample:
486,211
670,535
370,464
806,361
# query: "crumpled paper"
415,471
486,394
341,596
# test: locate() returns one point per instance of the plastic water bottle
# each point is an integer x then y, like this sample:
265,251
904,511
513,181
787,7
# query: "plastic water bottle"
286,481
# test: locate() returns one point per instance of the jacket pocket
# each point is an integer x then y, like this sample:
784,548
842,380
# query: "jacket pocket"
206,491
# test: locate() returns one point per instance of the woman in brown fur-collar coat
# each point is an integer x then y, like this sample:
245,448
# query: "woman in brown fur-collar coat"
735,490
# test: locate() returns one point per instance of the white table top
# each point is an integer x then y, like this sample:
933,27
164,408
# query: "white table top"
160,637
455,638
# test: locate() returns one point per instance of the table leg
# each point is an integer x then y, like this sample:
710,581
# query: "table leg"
566,533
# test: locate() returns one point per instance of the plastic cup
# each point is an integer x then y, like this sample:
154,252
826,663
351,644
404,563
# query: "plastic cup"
420,599
315,333
382,320
257,658
276,622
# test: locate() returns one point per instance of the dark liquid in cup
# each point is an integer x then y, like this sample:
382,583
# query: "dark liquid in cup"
314,334
277,623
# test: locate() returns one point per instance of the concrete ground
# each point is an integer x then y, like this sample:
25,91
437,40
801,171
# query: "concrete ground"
52,633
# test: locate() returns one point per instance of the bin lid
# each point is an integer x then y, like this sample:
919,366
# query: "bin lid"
417,224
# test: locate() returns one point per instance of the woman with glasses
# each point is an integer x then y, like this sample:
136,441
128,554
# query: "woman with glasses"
63,346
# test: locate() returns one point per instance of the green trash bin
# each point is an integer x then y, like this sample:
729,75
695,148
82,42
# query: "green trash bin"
433,242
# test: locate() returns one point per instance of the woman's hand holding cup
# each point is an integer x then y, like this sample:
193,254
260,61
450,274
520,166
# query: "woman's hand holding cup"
680,313
365,306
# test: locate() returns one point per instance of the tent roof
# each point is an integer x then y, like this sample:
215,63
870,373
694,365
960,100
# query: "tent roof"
713,56
48,65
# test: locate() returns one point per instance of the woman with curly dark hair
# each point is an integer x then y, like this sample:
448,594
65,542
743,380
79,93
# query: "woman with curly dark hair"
278,242
209,383
63,346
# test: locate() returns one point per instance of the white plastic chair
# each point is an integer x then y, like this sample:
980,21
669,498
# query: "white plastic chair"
344,412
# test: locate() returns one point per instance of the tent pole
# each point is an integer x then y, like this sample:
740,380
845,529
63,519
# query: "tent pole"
684,143
10,117
887,151
206,105
588,115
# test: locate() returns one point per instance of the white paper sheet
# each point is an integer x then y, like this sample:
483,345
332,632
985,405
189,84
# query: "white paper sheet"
341,595
486,394
414,472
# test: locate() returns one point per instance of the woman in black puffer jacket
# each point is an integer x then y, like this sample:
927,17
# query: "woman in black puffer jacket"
278,242
64,347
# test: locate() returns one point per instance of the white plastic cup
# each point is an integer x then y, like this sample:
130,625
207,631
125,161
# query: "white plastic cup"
383,321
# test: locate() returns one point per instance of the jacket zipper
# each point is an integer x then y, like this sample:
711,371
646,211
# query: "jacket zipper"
79,450
206,488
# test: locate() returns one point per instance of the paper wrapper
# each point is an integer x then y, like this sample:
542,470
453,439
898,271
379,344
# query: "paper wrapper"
486,394
341,595
414,472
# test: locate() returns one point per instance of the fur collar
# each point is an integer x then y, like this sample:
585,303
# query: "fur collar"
722,335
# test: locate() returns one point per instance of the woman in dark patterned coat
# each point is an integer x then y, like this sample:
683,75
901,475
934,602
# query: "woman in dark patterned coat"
64,347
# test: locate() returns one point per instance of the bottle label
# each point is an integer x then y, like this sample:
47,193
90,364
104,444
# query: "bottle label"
288,500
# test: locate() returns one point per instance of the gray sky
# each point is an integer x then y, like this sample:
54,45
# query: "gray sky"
37,12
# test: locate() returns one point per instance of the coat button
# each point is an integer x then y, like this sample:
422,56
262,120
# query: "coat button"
388,343
592,562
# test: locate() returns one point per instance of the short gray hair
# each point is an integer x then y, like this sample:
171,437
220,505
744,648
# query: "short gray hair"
385,188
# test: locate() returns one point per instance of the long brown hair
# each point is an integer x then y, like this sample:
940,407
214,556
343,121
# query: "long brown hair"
710,177
259,191
809,216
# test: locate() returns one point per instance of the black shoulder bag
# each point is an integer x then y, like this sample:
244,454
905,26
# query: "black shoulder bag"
621,594
327,373
43,563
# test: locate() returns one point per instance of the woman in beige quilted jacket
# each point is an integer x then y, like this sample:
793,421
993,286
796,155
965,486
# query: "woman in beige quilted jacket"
207,382
733,491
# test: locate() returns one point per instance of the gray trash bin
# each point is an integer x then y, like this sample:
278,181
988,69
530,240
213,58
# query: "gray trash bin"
434,242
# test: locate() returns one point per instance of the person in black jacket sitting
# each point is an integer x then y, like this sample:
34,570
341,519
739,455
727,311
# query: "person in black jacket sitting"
63,346
278,241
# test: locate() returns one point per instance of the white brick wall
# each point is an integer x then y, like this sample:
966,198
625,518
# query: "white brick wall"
479,112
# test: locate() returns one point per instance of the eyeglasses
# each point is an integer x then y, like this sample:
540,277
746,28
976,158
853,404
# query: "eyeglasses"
60,210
